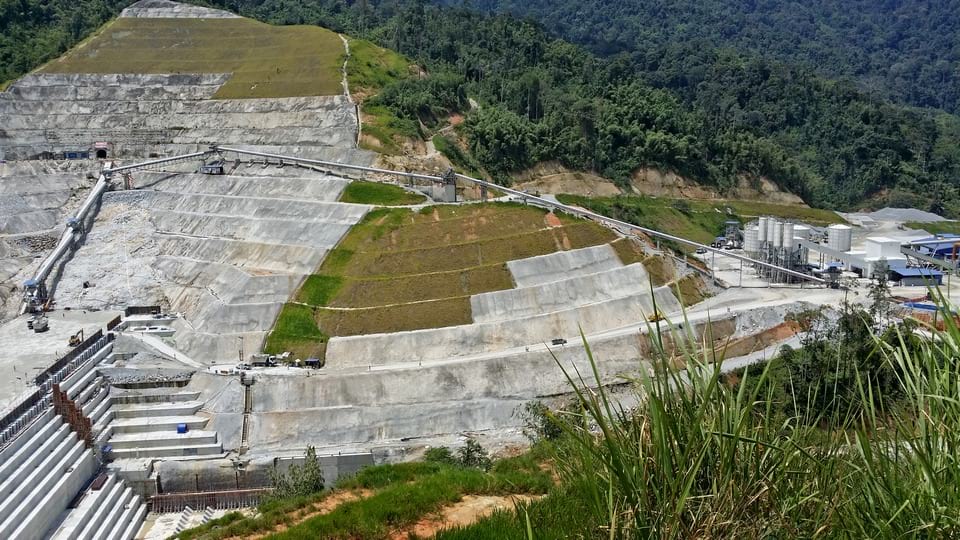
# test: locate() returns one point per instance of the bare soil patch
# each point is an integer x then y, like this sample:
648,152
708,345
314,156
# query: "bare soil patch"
469,510
325,506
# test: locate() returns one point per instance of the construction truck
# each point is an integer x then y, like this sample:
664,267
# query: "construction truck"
40,323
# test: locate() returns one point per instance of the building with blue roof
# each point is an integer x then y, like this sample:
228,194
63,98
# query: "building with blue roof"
914,277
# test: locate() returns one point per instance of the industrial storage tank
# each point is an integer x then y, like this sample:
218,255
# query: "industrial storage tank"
762,230
788,236
777,234
751,243
771,225
839,237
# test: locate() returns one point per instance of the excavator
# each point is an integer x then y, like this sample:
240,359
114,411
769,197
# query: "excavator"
76,339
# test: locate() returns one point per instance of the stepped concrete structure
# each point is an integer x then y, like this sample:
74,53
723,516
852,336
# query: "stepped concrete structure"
47,474
558,266
224,251
144,115
479,375
164,9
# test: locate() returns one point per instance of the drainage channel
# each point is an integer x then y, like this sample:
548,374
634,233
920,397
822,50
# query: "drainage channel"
247,382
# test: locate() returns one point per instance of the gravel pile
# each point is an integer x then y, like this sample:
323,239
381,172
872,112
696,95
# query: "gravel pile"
905,215
37,243
139,376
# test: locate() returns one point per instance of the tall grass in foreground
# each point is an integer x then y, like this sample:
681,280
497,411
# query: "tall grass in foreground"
701,458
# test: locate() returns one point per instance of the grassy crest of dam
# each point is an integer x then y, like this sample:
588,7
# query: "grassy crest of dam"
265,61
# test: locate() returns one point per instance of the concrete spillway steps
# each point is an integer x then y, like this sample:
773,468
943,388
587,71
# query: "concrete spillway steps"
140,410
154,439
110,511
165,444
146,425
47,472
156,423
164,395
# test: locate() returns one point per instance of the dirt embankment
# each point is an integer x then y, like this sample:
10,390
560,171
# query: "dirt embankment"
668,184
551,177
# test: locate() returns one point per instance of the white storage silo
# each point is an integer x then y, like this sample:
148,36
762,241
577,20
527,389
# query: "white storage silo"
777,234
771,225
788,242
762,230
839,237
751,244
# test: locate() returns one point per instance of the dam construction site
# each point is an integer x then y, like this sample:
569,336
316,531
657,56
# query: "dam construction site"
204,274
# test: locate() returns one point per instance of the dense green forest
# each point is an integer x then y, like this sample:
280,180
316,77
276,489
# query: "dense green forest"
907,50
716,116
32,31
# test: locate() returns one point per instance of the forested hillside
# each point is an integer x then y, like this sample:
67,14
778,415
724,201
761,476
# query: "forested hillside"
708,114
34,31
715,116
906,50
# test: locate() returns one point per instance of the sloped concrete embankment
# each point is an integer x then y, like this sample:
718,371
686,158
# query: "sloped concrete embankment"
168,114
377,406
35,200
563,265
164,9
226,261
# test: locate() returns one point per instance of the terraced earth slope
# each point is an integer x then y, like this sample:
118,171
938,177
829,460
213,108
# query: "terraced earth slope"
401,270
449,319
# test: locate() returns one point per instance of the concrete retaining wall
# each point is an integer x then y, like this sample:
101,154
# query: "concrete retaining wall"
164,9
487,338
165,114
563,265
576,291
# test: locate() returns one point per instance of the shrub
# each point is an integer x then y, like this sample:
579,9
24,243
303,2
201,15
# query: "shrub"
441,455
540,423
298,480
474,455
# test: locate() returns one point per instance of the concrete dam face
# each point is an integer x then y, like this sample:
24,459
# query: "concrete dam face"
49,115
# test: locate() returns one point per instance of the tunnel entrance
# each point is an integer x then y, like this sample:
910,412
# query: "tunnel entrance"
101,154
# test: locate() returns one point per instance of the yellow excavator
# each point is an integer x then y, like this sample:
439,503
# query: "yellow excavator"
77,338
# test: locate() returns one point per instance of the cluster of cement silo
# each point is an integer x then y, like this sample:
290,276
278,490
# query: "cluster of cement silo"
779,243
